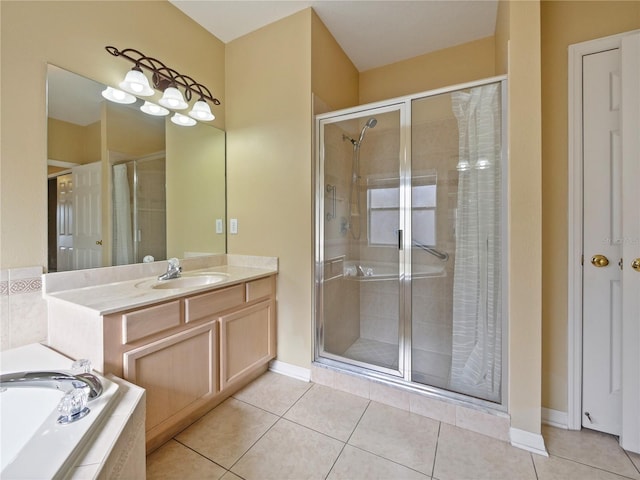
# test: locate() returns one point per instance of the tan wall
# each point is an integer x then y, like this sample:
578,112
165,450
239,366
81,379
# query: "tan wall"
502,37
525,219
462,63
73,143
268,77
334,78
130,132
563,23
195,178
30,38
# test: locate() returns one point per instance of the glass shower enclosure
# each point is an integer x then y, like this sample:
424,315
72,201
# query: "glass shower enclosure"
410,240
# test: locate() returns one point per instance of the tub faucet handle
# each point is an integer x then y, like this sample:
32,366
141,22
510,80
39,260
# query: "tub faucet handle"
82,365
73,406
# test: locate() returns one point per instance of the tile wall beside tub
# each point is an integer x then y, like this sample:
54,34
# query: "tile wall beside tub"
23,311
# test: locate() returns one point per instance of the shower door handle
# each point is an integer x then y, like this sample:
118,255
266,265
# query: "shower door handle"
399,239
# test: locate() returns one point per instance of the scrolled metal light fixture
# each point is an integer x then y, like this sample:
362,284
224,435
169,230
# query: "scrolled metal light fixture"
168,81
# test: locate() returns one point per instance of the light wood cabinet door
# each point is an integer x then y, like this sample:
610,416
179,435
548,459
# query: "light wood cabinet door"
247,339
179,373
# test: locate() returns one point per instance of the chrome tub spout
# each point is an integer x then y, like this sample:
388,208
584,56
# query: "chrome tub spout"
58,380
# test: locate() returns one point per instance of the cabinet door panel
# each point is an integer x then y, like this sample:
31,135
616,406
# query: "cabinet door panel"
174,373
247,339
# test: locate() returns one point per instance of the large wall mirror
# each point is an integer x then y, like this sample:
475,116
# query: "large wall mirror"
126,187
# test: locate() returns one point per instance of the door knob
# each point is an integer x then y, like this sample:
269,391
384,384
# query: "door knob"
636,264
599,261
98,242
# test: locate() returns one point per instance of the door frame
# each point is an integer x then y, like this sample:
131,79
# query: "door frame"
575,237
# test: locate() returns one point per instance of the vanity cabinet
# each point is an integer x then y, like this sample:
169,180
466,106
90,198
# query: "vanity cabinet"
189,353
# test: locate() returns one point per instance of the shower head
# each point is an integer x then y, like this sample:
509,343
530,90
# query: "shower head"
372,122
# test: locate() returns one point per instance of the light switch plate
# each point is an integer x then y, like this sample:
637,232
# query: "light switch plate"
233,226
219,225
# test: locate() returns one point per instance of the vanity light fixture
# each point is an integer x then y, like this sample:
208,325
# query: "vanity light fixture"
170,82
153,109
182,120
118,96
201,111
135,82
172,98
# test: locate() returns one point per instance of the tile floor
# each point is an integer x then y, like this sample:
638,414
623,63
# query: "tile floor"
282,428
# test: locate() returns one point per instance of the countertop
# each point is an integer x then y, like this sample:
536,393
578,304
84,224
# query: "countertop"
124,295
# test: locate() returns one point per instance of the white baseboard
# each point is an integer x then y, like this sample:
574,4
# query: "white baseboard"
531,442
555,418
290,370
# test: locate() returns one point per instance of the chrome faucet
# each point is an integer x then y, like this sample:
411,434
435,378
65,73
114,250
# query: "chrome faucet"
58,380
173,269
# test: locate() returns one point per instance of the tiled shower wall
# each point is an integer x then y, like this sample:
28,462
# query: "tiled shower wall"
23,311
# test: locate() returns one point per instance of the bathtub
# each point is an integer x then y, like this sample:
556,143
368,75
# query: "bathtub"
32,444
387,271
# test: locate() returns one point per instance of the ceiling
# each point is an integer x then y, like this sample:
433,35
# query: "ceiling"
371,32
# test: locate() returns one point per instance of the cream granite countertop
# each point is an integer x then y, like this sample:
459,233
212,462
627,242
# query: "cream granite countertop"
106,298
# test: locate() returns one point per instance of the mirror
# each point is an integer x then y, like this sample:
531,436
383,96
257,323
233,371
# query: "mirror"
123,185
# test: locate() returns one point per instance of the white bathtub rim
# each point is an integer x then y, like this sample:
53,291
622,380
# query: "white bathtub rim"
53,449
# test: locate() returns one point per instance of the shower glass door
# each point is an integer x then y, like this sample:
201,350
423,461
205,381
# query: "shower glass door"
457,238
360,262
411,215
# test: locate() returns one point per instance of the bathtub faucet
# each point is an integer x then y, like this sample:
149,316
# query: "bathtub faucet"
173,269
57,380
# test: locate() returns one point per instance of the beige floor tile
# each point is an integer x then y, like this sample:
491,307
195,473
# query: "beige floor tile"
556,468
397,435
289,451
356,464
328,411
465,455
591,448
273,392
175,461
228,431
635,458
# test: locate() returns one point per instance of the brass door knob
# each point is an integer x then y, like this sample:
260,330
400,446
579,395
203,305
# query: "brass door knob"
636,264
98,242
599,261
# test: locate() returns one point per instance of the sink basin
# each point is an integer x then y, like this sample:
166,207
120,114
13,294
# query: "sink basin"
185,281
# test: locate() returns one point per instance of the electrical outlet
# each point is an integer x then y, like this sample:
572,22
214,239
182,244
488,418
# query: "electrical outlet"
219,225
233,226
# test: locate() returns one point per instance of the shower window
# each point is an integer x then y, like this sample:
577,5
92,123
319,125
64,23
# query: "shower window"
384,212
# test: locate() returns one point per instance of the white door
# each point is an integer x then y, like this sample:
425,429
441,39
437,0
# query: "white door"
602,243
64,223
87,201
611,241
630,434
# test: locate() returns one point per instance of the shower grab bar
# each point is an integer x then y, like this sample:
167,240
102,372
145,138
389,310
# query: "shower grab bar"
332,189
444,256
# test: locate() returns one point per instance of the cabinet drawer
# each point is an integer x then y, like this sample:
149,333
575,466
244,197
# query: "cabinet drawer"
208,304
141,323
259,288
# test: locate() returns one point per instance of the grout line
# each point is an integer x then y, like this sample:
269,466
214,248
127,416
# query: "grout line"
535,470
197,452
435,453
632,462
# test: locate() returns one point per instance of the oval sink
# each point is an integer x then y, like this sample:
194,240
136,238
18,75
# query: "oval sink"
189,281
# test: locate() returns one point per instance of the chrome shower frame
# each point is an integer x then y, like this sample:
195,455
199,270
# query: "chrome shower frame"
402,376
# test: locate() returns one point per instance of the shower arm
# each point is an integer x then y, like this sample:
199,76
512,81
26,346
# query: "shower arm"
444,256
